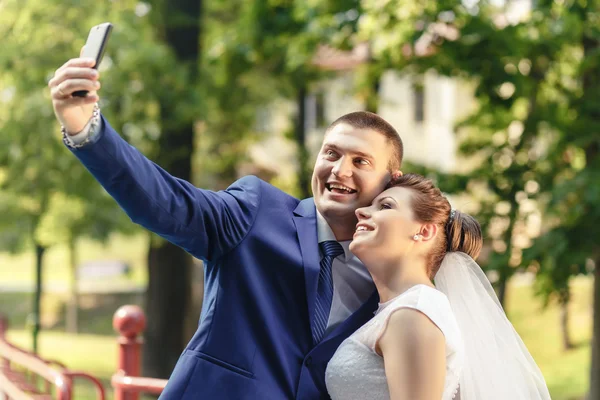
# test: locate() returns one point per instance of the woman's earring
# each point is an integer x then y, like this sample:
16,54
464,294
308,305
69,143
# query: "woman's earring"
416,237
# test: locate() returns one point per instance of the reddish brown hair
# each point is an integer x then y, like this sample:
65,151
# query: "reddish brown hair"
430,206
369,120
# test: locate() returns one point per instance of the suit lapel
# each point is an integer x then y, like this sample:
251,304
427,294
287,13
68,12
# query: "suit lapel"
305,219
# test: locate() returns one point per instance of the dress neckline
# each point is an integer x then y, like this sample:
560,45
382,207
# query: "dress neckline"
383,305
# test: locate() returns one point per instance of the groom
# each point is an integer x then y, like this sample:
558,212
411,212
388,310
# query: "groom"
282,290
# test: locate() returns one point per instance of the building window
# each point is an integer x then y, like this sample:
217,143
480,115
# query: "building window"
314,111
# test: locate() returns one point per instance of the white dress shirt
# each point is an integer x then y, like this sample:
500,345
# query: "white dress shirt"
352,283
85,132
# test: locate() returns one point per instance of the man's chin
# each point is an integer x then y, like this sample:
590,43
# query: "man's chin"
337,212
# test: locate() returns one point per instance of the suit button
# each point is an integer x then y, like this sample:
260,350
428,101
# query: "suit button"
308,362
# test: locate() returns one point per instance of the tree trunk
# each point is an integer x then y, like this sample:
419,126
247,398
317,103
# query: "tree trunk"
304,174
39,257
73,303
594,393
591,81
372,101
167,300
565,297
501,286
169,278
506,271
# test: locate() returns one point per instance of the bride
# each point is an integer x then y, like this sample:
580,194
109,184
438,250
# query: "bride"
450,340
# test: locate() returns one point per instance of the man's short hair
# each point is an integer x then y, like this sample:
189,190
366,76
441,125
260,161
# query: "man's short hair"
369,120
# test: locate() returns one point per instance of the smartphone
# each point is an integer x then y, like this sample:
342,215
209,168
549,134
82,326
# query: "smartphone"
94,48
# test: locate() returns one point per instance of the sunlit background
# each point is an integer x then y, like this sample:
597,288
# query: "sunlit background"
498,101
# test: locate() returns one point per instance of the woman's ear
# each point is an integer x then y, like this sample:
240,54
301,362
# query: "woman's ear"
428,232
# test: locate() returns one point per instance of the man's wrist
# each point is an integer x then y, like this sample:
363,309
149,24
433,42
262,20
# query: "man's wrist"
85,136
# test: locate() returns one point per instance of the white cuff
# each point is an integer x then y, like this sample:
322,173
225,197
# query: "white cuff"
87,134
83,134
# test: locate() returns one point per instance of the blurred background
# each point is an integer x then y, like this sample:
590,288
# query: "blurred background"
498,101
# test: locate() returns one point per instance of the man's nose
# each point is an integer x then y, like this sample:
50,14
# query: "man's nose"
343,167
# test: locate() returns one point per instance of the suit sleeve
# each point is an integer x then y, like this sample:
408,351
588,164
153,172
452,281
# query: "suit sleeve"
207,224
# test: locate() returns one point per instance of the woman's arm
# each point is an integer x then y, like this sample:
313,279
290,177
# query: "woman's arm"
414,354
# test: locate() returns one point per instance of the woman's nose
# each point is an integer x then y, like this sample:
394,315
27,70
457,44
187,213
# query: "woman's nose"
362,213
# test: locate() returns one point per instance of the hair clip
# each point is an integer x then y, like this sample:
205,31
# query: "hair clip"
452,214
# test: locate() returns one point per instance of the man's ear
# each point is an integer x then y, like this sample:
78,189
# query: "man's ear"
428,232
396,174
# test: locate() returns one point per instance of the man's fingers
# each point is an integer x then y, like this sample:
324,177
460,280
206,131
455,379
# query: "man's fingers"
58,94
77,101
73,73
64,89
77,62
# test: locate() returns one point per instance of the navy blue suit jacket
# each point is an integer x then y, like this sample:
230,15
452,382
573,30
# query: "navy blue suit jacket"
261,256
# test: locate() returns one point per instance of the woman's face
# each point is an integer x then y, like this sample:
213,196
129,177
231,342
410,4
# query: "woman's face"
386,229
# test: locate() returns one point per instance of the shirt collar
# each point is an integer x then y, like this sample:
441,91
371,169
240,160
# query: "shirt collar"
324,233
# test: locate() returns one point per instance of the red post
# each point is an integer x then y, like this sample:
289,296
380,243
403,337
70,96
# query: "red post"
130,322
3,329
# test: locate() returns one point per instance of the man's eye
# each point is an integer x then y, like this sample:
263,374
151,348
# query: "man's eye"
362,161
330,153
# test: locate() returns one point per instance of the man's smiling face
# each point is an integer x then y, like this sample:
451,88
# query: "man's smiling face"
350,171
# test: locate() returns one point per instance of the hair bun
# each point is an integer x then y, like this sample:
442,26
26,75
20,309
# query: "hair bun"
463,233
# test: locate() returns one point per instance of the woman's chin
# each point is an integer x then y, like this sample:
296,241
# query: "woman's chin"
358,246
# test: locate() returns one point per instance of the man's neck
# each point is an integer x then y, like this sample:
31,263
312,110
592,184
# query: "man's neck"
343,232
341,228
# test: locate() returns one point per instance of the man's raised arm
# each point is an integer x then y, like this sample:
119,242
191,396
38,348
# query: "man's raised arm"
205,223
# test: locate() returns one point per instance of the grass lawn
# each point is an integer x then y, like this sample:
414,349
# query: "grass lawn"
566,372
20,268
94,351
94,354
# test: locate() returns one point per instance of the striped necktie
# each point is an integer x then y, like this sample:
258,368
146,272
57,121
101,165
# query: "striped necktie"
330,250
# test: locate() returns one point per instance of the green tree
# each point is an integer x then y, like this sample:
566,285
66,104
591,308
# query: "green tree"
514,69
535,129
67,221
571,242
234,93
284,39
172,85
33,162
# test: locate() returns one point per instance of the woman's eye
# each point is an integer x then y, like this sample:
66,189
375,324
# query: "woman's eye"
384,206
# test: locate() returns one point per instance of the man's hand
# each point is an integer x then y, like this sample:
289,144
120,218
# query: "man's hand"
76,74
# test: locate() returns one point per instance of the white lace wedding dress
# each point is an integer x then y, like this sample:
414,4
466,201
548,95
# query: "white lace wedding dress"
356,371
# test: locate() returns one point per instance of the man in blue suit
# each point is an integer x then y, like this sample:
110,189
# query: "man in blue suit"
282,290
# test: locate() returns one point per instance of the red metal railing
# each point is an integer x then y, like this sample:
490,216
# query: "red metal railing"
21,370
26,376
130,322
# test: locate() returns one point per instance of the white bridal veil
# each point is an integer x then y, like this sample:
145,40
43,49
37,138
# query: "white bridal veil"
497,365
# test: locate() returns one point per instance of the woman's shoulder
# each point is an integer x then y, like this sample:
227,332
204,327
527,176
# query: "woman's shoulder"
430,302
